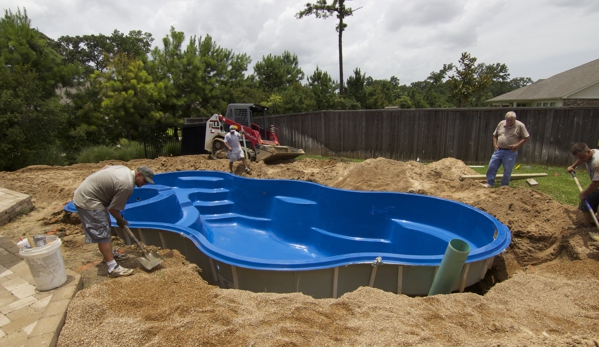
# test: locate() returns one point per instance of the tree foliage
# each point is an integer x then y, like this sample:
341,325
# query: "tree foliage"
130,96
323,88
94,51
277,72
322,9
22,45
29,121
199,79
356,87
468,80
31,117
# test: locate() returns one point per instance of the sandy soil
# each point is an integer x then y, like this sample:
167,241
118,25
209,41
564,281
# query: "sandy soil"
544,291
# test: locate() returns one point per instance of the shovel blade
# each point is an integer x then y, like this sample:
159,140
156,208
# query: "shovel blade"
594,235
150,260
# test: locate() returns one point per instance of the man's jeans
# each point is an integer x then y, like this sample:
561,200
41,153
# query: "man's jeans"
508,159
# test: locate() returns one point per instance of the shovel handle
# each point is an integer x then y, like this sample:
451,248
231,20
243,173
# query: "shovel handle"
573,173
126,228
585,200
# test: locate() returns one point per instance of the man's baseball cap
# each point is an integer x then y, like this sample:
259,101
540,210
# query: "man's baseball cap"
147,173
233,127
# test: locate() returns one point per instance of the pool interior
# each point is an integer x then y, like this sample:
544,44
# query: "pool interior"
261,221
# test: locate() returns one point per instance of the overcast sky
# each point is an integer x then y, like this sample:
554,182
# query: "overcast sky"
404,38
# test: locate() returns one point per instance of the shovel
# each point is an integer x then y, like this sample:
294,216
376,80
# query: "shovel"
149,260
593,235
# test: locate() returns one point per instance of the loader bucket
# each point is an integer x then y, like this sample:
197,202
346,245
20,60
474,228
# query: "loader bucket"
269,153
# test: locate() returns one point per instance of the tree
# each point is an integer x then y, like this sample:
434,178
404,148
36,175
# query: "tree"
135,44
200,80
321,9
87,124
323,87
502,83
223,70
31,117
130,96
434,91
356,87
275,73
298,98
30,122
94,51
381,93
178,72
22,45
468,81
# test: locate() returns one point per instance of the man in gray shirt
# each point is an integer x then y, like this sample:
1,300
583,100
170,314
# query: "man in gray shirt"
103,192
509,135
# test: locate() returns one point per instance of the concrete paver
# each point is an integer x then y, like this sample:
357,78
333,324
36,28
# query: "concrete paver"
12,203
28,317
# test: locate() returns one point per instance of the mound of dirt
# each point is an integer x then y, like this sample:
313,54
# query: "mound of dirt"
543,289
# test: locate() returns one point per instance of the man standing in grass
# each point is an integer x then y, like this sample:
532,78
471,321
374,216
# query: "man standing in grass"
590,158
509,135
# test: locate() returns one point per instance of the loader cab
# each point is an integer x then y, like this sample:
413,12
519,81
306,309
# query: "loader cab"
248,115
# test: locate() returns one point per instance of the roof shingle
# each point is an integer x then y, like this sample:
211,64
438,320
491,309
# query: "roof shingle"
558,86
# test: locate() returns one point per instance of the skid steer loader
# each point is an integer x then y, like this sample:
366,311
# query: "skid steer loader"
258,144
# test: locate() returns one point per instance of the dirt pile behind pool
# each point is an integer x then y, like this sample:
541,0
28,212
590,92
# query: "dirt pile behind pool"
550,297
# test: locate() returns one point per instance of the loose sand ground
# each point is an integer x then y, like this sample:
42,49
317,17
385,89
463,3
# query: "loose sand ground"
543,291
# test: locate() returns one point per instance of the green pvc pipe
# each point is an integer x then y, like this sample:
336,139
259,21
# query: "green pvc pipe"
451,266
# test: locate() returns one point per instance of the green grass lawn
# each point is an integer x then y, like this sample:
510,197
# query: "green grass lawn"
558,184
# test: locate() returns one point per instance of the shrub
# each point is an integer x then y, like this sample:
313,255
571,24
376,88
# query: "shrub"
96,154
51,155
172,149
129,150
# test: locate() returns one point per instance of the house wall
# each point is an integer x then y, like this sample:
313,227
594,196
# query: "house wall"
581,102
591,92
547,103
530,103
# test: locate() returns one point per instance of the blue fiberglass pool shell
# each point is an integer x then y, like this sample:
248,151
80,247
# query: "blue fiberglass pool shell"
286,236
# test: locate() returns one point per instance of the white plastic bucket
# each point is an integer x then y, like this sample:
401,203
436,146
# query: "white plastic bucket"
45,263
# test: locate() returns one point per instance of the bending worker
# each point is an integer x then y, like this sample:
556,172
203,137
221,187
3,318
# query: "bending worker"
509,135
590,158
103,192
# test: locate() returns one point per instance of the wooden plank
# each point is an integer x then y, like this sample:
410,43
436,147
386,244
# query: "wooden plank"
513,177
531,182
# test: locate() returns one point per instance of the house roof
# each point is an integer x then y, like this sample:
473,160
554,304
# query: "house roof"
561,85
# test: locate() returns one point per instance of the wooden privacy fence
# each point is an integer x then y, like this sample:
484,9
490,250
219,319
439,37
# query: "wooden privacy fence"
433,134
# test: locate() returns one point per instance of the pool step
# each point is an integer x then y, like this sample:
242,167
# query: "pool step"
211,194
293,218
225,216
200,182
214,207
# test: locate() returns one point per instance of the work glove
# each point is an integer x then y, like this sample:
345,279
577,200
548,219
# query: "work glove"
122,222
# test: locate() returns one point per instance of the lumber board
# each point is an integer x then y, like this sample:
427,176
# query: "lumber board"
514,176
532,182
